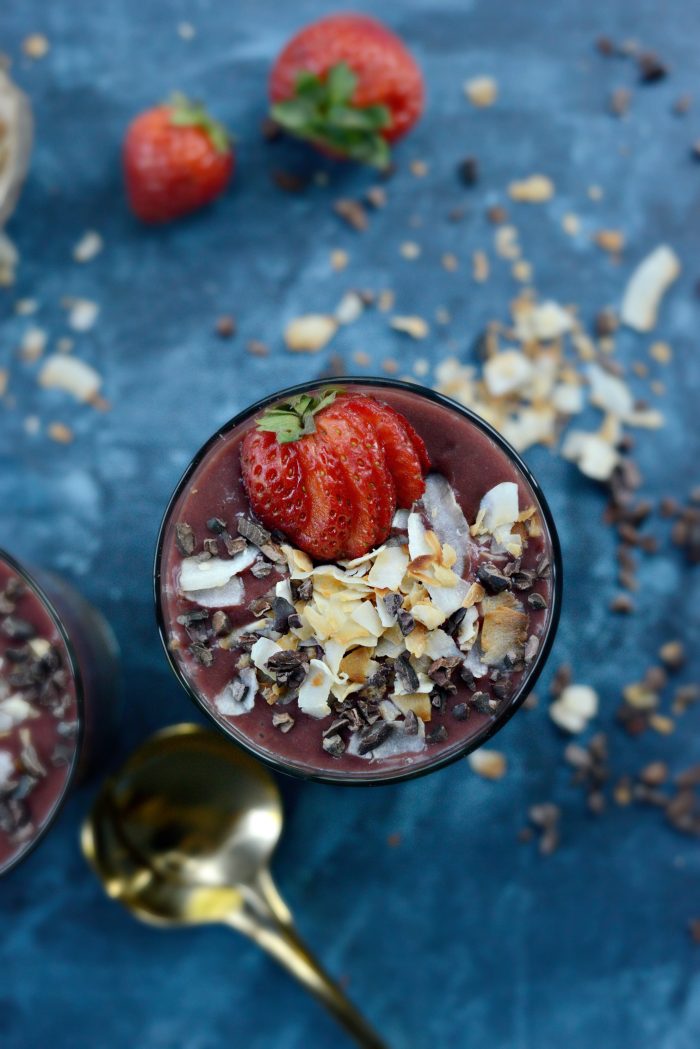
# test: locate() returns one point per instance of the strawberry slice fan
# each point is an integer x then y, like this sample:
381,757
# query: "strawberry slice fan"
330,470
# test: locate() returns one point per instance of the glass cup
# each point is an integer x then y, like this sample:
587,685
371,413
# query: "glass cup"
463,444
60,700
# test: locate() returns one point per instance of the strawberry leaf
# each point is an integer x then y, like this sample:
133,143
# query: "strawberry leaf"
184,113
322,112
296,418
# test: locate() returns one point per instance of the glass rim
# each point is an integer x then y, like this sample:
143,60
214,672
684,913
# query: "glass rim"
74,669
501,718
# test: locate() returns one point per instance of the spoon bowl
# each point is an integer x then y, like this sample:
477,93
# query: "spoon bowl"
183,835
194,809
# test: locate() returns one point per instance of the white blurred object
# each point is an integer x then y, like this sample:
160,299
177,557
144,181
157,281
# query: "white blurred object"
16,132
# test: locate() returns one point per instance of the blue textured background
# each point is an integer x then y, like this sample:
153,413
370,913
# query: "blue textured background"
459,936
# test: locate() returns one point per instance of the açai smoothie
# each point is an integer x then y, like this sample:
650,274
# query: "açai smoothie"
357,583
59,695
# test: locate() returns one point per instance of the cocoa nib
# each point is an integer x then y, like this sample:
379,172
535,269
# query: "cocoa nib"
651,68
406,622
393,603
405,672
302,589
18,629
252,531
221,624
437,735
283,721
492,580
202,654
373,737
216,525
184,538
441,670
453,622
334,745
282,610
468,171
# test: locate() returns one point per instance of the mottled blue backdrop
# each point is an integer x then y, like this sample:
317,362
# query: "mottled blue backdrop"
455,935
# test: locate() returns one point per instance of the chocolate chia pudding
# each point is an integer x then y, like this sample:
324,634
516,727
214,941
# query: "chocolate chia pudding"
376,639
58,700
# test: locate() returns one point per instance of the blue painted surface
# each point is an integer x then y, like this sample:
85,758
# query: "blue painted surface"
459,936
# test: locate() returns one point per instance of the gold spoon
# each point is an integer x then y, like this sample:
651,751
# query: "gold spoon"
183,835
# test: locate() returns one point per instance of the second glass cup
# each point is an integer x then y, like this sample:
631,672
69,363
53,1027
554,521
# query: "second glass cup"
387,667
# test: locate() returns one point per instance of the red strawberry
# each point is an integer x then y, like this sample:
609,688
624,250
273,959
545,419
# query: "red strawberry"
347,84
371,484
176,160
401,446
274,481
326,469
325,533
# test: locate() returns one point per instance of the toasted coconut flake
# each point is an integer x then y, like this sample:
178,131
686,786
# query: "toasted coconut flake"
609,392
72,375
89,245
418,544
261,651
468,629
574,708
547,322
480,267
475,594
426,613
499,506
82,313
414,326
283,589
310,333
503,632
228,595
567,398
231,701
315,689
365,614
489,764
397,743
196,574
14,710
449,598
507,371
389,568
417,702
595,456
356,664
350,308
440,645
482,91
647,286
533,190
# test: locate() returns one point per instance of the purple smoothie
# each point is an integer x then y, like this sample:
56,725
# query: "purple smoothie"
58,700
472,462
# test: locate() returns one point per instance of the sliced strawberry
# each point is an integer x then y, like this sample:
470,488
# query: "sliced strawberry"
325,532
402,447
273,480
371,484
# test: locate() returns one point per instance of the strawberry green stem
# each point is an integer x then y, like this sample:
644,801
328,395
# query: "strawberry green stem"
322,112
184,113
294,419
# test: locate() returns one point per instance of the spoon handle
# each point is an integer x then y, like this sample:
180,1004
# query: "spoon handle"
266,919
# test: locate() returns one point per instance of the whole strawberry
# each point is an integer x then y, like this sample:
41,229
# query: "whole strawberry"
348,85
329,470
176,160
